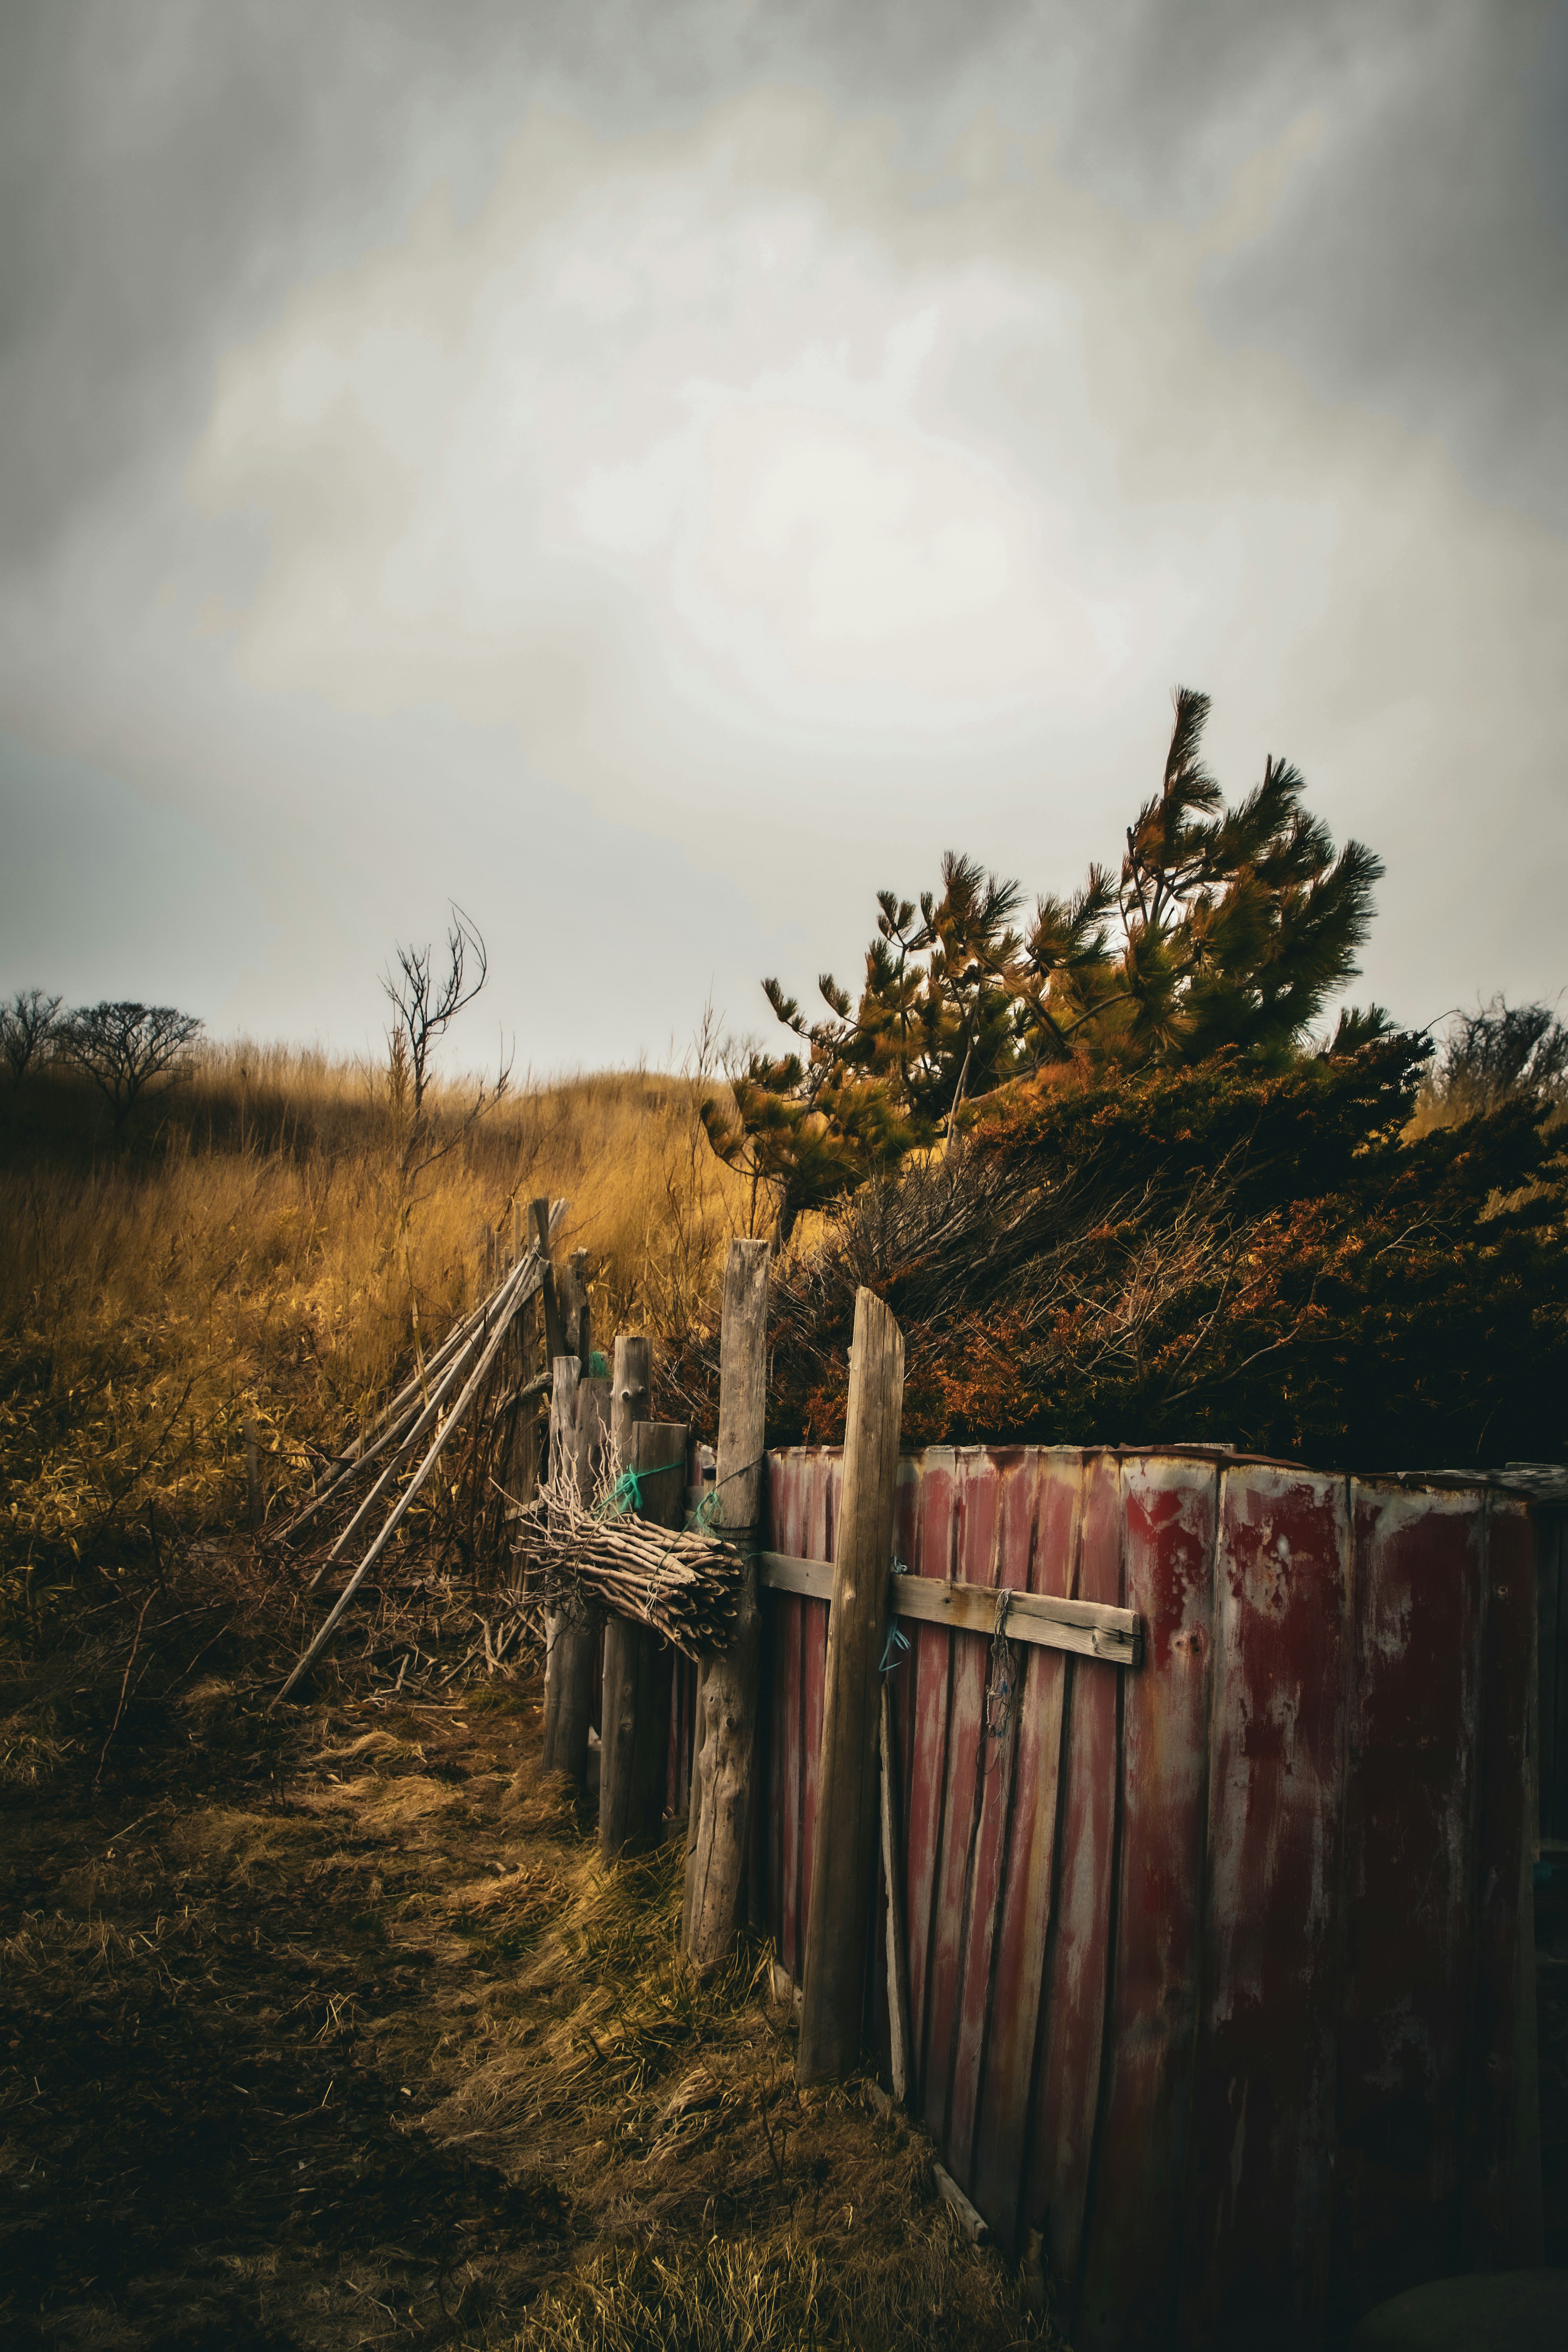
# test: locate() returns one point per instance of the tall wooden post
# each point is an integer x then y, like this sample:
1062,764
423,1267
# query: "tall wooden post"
550,1312
576,1316
576,1647
639,1669
631,1389
838,1930
557,1627
727,1692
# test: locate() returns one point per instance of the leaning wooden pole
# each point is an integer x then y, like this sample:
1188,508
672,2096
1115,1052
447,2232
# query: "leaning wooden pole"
847,1806
726,1694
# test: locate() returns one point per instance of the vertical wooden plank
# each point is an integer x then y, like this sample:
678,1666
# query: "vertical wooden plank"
960,1798
786,1505
1408,1868
843,1884
931,1656
821,1473
789,1630
812,1678
995,1548
728,1691
1063,2131
1262,2140
1129,2289
1023,1935
638,1688
1500,2207
627,1649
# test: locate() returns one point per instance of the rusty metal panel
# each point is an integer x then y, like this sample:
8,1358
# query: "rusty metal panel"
1211,1961
1062,2133
998,1547
1026,1895
1263,2115
1410,1800
928,1671
1500,2207
974,1497
1128,2295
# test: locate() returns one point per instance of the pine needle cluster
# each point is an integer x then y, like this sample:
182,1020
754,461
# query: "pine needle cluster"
1225,930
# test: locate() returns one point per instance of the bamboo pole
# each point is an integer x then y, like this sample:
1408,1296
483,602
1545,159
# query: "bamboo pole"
390,1426
838,1925
728,1694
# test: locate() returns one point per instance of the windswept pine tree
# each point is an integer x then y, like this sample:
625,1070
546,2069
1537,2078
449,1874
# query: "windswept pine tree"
1226,930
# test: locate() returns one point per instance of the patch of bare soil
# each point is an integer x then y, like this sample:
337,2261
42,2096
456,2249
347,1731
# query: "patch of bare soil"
323,2027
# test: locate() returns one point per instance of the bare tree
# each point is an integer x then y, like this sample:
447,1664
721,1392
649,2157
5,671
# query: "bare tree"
425,1004
124,1048
28,1026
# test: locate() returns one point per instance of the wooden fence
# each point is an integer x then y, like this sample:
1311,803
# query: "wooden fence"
1218,1951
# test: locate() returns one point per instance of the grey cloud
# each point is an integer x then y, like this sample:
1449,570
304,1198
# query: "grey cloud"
169,169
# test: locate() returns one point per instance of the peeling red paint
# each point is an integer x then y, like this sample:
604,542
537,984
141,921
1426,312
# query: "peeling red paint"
1213,1963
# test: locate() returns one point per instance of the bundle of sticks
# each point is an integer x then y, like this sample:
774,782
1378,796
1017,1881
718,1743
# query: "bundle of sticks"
685,1585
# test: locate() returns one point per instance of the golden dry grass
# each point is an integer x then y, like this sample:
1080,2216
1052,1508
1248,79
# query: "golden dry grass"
256,1250
326,2025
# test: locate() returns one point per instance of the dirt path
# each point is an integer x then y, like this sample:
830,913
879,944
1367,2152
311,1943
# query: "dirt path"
324,2029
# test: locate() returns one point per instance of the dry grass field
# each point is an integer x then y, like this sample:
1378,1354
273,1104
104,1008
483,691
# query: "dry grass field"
256,1249
322,2024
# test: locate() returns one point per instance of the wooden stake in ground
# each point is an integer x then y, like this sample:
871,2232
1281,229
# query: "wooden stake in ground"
842,1871
576,1315
541,1220
639,1668
563,1449
574,1652
727,1693
630,1386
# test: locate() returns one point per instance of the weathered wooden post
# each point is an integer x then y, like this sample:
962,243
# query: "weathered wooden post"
839,1927
576,1650
576,1315
727,1691
640,1667
557,1626
630,1388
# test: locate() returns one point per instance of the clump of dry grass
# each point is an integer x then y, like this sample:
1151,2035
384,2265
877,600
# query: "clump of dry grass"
721,2205
259,1252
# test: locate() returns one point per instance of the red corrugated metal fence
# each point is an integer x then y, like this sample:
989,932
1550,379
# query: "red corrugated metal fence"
1216,1962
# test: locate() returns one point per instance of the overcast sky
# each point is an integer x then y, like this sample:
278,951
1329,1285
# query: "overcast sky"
655,474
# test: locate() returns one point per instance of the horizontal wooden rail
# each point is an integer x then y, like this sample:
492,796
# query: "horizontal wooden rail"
1091,1628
